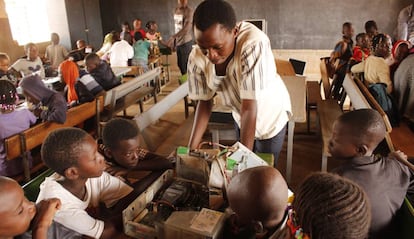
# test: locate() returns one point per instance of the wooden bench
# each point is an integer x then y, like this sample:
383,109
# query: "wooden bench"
150,116
17,145
328,110
130,92
400,137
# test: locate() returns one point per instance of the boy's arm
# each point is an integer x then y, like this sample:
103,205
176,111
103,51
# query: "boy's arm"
152,162
46,210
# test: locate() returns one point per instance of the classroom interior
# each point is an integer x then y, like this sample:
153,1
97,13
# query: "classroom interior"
297,30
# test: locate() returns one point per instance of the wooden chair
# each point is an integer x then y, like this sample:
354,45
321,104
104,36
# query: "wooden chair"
284,68
328,110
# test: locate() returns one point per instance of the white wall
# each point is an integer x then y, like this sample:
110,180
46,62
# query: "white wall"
58,21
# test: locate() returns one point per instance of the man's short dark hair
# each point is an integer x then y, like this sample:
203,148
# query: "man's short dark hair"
369,24
93,58
360,36
61,148
118,129
365,124
211,12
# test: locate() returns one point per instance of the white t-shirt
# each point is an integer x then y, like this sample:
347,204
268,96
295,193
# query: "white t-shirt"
27,67
120,52
251,74
72,214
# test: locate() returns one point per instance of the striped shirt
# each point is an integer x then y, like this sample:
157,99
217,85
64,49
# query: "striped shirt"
251,74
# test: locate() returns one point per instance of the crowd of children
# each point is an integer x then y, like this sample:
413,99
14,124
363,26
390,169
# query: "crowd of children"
375,59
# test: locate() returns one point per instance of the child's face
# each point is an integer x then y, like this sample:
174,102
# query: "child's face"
32,53
126,154
341,144
366,42
383,49
90,65
91,163
15,210
4,65
348,31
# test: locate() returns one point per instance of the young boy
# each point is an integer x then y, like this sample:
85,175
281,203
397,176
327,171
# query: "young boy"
375,67
81,183
5,74
101,71
361,49
122,150
17,213
355,135
264,215
32,64
329,206
340,57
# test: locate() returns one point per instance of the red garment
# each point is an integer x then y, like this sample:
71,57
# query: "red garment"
142,31
70,73
360,54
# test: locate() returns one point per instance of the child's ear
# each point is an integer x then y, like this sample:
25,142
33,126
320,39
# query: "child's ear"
71,173
362,149
107,152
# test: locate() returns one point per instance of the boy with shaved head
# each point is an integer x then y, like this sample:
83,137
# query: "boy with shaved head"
355,136
258,196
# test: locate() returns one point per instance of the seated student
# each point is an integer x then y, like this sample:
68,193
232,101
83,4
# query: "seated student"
82,49
55,53
12,121
400,50
69,72
361,49
49,104
126,32
19,215
122,150
404,89
371,29
263,215
106,45
87,89
329,206
375,68
120,51
340,57
5,73
141,52
32,64
80,182
355,135
101,72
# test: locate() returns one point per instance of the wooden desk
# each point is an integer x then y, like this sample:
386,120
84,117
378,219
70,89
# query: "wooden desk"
296,86
120,71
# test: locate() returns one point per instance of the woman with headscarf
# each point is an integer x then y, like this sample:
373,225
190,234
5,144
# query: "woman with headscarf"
400,50
50,105
106,45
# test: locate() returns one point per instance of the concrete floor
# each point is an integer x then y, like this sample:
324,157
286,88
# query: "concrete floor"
306,150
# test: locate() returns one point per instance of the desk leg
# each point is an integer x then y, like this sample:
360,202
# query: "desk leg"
291,132
216,137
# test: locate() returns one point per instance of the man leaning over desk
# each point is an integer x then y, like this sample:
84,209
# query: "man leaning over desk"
235,60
